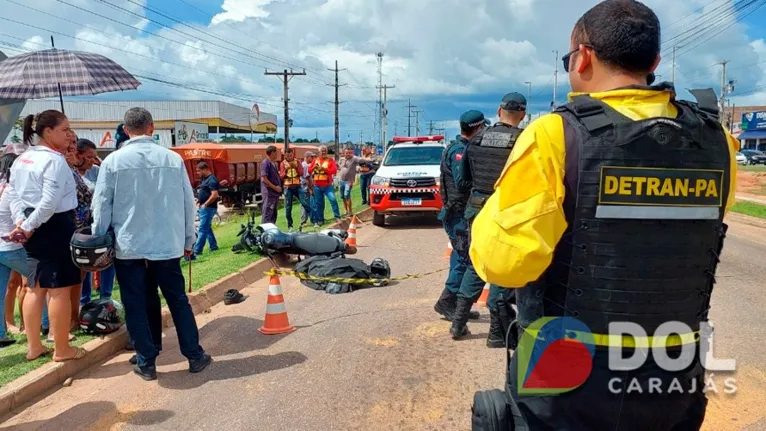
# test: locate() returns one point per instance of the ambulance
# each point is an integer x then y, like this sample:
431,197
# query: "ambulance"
407,182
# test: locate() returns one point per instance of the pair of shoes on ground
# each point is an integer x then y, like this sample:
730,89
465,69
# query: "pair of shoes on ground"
149,372
233,296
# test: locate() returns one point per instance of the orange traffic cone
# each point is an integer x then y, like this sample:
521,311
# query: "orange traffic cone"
448,251
484,295
351,240
276,321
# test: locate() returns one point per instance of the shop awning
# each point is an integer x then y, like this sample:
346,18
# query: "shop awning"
752,134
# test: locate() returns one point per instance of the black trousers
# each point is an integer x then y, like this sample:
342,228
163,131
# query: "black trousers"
610,401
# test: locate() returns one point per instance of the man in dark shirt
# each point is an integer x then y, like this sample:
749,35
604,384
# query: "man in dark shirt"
271,188
207,204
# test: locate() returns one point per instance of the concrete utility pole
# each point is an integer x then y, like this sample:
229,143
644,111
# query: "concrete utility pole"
431,127
409,117
722,101
379,116
337,102
285,77
529,100
555,78
384,113
417,125
673,74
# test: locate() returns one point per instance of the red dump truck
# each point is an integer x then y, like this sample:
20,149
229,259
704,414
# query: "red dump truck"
237,167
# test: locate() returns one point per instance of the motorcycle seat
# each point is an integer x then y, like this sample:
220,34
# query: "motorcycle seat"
315,244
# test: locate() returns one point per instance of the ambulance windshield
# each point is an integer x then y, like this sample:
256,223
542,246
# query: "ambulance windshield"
413,156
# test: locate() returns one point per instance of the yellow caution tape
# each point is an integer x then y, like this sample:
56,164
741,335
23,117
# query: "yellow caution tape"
304,276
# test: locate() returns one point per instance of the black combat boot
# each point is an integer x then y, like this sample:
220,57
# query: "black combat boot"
459,327
496,336
446,306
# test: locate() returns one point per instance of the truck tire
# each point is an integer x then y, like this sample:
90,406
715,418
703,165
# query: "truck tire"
378,219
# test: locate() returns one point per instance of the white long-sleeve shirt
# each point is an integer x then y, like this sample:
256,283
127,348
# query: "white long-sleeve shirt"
40,179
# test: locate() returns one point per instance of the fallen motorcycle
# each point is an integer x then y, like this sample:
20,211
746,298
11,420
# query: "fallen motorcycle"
268,239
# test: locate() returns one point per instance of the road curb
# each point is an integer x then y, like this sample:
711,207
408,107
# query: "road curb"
30,386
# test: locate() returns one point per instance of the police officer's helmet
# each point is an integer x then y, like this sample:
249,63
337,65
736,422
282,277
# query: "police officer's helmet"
102,316
380,269
92,252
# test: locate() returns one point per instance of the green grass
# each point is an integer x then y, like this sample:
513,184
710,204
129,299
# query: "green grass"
753,168
750,208
206,269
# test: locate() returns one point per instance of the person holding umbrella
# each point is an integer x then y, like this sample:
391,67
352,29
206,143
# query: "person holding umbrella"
43,198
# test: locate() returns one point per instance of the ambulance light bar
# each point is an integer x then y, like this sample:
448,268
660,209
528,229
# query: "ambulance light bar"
417,139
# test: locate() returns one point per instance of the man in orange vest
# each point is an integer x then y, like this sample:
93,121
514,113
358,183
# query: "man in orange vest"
291,172
322,170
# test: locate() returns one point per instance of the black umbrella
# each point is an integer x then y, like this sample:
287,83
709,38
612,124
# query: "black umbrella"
58,72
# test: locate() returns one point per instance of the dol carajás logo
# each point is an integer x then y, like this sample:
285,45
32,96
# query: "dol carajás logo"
555,355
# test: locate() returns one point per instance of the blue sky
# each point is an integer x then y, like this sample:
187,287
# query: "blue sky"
446,56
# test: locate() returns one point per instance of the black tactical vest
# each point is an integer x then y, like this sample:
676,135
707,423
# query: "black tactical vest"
644,205
488,154
453,199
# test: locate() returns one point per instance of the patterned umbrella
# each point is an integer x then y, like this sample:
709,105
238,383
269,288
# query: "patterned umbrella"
57,72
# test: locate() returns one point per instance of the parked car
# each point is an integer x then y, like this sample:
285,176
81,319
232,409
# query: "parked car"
741,159
754,157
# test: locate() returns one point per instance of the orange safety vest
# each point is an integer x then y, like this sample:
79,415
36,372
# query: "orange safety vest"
320,171
291,173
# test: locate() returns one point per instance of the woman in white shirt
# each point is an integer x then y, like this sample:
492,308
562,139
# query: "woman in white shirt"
42,197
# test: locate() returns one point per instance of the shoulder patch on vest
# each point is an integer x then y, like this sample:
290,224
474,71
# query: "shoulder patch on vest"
458,156
659,193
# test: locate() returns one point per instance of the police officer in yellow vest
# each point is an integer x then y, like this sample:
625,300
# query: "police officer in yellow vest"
484,160
610,210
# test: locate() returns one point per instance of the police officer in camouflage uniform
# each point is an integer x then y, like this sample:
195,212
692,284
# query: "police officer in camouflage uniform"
482,164
452,215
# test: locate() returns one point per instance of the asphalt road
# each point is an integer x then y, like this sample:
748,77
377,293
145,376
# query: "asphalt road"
375,359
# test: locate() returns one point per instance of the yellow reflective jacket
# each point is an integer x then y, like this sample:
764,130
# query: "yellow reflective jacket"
517,230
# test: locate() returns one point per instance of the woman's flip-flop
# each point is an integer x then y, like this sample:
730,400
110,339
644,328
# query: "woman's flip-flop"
79,353
46,352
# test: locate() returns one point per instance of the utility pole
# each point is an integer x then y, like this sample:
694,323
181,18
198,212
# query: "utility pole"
555,79
417,126
722,101
673,75
285,77
337,102
529,100
379,117
384,113
409,117
396,129
431,127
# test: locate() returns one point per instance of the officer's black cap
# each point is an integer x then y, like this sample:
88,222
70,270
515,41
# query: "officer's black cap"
514,102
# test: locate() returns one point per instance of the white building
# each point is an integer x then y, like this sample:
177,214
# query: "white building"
176,122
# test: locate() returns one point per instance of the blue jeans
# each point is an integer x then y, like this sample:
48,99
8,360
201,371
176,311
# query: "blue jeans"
139,280
462,273
345,190
104,291
206,230
319,195
291,193
364,182
15,260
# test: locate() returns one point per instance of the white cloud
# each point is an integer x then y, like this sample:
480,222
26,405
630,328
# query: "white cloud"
447,55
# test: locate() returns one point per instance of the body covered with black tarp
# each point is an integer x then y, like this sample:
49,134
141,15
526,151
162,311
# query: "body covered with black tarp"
341,267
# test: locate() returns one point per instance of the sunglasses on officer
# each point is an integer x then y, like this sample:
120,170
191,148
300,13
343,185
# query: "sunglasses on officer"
568,56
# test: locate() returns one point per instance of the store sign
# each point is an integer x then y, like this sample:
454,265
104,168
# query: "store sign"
188,133
198,154
754,121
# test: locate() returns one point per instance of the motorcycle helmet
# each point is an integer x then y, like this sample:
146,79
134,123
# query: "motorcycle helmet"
92,252
380,269
101,317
